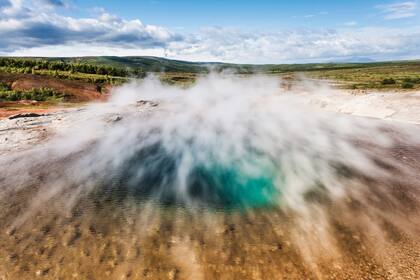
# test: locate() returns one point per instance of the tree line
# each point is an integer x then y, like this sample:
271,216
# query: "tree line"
42,64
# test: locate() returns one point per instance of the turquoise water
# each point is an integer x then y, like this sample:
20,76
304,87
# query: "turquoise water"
152,174
234,186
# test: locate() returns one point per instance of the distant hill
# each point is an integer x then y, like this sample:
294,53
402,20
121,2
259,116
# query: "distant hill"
146,63
159,64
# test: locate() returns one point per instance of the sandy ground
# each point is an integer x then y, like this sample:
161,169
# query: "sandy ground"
172,244
104,240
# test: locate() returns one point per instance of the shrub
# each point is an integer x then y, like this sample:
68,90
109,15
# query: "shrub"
42,94
4,87
407,85
412,80
388,81
14,96
25,65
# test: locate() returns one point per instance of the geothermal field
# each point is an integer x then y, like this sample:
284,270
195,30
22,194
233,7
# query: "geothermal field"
230,177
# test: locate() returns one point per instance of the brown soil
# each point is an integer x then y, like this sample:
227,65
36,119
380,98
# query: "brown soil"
114,242
97,238
75,91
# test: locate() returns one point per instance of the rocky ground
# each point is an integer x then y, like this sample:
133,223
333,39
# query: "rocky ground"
24,129
102,240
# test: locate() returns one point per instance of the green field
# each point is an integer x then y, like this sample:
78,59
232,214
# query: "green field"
398,75
401,75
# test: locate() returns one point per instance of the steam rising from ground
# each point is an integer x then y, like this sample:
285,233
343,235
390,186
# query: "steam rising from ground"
225,143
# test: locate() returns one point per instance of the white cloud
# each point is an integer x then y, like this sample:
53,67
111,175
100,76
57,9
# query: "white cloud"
301,45
398,10
43,32
23,26
86,49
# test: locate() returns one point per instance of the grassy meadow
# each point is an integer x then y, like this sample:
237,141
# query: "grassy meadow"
110,71
386,76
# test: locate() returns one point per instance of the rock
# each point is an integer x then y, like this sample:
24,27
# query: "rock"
12,257
25,115
229,228
70,237
133,252
147,102
114,118
126,275
11,231
172,274
42,272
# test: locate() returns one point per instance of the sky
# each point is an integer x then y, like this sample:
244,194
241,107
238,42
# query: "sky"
264,31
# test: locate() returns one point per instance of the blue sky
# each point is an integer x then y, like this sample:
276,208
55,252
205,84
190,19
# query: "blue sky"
264,31
192,14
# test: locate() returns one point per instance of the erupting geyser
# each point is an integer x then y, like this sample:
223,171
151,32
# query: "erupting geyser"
224,142
158,160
